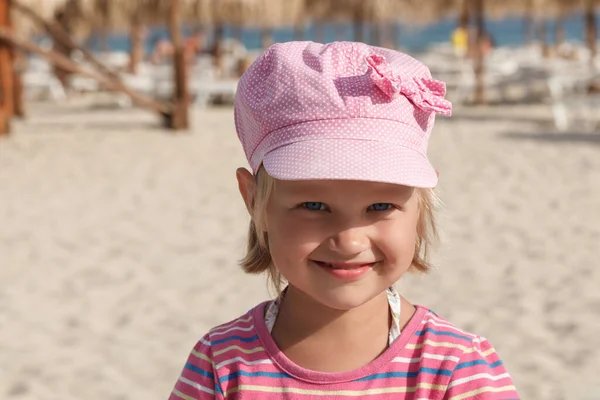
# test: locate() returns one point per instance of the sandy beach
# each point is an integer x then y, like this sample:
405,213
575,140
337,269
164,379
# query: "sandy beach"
119,243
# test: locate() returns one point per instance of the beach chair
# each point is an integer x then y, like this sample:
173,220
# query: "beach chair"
571,101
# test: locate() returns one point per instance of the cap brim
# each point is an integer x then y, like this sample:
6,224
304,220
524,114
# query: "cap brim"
350,159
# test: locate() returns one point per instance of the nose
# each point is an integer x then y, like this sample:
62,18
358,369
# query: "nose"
350,242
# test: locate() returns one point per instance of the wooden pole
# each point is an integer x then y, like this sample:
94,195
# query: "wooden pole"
386,30
6,72
179,120
266,37
217,48
463,19
542,26
479,12
559,30
67,64
528,27
299,32
396,34
319,27
359,27
136,43
590,28
18,68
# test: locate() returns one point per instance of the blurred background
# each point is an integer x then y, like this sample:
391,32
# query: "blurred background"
120,221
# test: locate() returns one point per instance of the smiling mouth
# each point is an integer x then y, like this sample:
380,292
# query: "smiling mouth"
346,266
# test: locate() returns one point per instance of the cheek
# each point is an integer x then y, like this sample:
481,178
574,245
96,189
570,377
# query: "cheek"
291,240
397,239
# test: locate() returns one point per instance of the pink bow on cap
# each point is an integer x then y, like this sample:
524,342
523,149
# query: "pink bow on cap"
427,94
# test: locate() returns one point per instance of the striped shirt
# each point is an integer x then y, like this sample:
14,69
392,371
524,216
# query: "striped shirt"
431,359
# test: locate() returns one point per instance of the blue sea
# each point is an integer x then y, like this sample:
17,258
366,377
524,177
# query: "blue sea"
414,38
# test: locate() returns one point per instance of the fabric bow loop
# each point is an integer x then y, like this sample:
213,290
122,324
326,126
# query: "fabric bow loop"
427,94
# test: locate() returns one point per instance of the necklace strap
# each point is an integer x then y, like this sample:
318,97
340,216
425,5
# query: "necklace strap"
272,311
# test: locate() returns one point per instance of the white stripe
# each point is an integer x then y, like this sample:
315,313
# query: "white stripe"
234,328
440,357
196,385
205,342
406,360
476,377
445,325
235,322
243,361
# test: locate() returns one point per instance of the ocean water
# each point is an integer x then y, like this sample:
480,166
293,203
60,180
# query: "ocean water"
415,38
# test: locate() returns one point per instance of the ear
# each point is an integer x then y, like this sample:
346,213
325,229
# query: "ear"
247,188
437,173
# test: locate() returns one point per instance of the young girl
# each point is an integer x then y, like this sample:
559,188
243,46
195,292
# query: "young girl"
341,204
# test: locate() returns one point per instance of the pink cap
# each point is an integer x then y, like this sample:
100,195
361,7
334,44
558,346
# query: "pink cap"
342,110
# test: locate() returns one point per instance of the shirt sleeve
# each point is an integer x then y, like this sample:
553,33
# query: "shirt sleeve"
198,380
480,374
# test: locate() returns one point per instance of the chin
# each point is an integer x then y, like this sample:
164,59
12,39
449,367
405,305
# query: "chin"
346,298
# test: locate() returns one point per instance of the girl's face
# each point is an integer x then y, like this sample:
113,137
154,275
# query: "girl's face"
342,242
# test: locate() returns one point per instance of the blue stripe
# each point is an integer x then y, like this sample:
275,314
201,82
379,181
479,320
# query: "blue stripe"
218,388
234,337
438,372
478,362
442,333
433,371
200,371
253,375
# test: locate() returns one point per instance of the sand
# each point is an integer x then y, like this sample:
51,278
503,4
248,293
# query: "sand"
119,242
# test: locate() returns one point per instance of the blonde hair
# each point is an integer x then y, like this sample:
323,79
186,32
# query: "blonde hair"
258,257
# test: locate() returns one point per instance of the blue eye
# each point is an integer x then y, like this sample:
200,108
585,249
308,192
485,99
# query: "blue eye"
380,207
314,206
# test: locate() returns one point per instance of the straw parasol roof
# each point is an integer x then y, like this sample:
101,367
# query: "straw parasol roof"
378,11
47,9
118,14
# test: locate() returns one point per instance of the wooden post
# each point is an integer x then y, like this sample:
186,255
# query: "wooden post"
217,49
396,35
479,12
179,118
319,28
359,26
18,68
6,72
386,30
542,33
299,32
590,28
528,26
559,29
266,37
375,33
136,43
463,19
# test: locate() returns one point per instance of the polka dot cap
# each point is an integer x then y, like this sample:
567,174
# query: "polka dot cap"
343,110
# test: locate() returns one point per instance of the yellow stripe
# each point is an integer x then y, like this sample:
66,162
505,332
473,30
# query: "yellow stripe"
488,352
235,347
483,354
486,389
181,395
349,393
437,344
201,356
